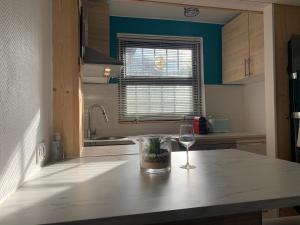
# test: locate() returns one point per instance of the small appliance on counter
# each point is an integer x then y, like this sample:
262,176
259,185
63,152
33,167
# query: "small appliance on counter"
200,125
218,125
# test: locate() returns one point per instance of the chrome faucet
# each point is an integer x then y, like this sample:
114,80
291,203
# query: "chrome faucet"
90,131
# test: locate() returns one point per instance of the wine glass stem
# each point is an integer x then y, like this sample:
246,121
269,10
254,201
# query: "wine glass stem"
187,156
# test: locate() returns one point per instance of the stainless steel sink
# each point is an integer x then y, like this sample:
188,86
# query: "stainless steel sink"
107,141
108,138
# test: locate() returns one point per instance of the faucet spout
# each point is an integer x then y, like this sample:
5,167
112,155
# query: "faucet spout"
91,132
104,113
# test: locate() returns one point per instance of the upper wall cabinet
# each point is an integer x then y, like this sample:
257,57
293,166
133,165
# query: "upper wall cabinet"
243,49
97,25
256,44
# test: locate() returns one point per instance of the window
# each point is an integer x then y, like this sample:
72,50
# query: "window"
161,78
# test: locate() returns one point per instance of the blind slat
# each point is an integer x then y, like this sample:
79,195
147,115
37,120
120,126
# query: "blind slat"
160,80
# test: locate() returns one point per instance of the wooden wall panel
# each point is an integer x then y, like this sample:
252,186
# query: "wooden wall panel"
286,23
66,75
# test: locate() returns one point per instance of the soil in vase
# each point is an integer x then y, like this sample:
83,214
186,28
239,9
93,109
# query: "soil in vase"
157,161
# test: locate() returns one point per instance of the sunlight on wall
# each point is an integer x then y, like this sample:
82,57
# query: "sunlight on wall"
25,88
22,160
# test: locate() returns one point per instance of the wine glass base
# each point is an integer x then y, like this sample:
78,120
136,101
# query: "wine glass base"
187,167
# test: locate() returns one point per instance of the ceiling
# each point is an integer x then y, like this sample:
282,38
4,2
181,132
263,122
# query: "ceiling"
154,10
252,5
211,11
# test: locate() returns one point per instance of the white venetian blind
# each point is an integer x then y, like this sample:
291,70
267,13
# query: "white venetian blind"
160,79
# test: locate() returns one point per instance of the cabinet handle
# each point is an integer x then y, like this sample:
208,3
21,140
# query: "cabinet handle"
245,67
249,66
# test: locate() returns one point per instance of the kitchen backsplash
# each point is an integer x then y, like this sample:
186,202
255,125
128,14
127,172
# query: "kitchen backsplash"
221,100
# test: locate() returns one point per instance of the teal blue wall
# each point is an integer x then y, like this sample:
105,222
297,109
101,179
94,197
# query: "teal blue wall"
211,34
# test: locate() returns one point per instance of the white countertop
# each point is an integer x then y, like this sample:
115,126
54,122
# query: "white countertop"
112,190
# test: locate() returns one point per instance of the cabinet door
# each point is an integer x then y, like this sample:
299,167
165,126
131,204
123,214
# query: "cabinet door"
97,34
253,146
235,40
256,43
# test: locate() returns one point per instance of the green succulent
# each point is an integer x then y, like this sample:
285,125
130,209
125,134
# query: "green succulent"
154,146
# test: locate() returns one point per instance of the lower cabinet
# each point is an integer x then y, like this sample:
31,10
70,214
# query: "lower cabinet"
213,146
253,146
257,146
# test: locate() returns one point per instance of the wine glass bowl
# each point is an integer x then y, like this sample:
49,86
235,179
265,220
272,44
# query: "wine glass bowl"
187,139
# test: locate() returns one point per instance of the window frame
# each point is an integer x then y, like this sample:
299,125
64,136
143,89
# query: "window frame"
196,41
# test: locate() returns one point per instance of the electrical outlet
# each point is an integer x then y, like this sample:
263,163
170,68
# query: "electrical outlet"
41,154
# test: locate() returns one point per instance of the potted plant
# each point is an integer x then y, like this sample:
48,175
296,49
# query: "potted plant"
155,153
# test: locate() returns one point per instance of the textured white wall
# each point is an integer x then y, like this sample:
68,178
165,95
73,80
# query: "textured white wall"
220,100
25,88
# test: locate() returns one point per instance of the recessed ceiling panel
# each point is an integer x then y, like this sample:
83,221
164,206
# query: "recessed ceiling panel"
168,11
255,5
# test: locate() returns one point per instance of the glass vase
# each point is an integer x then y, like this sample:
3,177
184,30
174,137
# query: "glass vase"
155,154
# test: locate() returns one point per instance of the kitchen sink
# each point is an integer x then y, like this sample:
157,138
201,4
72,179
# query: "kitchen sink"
108,141
108,138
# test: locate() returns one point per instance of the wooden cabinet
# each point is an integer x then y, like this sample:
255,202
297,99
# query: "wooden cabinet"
235,48
254,146
97,25
256,44
243,49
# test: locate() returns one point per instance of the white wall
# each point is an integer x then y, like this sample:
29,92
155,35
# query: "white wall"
226,100
25,88
221,100
254,107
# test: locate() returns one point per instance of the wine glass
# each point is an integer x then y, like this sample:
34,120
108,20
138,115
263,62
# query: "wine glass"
187,139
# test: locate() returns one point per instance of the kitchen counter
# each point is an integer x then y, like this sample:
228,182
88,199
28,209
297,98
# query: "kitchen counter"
111,190
221,140
230,136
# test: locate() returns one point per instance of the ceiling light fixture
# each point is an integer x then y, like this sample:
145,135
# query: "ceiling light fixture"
107,72
160,63
191,12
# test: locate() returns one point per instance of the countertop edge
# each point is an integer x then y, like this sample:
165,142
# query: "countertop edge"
187,214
